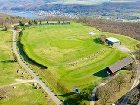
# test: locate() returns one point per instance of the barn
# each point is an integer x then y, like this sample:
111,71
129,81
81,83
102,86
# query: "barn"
119,65
112,41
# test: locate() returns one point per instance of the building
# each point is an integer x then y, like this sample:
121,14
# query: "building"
119,65
112,41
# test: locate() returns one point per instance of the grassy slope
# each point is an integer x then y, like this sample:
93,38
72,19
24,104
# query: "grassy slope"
8,70
70,53
24,94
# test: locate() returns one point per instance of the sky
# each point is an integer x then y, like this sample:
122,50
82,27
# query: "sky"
70,1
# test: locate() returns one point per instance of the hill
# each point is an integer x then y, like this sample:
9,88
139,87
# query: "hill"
71,55
9,20
131,29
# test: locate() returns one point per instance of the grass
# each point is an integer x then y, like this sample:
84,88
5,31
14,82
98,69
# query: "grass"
8,70
23,94
71,55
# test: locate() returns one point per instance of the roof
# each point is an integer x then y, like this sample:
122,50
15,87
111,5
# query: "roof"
114,40
121,64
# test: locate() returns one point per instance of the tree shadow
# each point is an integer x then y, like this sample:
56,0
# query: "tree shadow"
8,61
101,73
27,58
67,94
97,40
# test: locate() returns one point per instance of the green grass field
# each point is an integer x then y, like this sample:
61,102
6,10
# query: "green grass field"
8,70
71,54
23,94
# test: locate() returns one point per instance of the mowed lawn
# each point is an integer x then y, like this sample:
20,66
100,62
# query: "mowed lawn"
23,94
71,54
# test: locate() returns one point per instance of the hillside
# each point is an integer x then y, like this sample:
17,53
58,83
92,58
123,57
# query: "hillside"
125,28
9,20
71,55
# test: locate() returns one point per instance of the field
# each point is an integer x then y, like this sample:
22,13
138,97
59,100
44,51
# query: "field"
73,57
23,94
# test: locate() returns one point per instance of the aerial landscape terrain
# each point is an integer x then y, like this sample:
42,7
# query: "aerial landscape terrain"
70,52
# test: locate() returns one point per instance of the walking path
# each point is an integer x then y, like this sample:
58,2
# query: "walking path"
26,67
19,81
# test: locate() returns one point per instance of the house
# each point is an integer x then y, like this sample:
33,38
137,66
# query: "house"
112,41
119,65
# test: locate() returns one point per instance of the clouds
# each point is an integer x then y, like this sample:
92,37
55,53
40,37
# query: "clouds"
80,1
62,1
123,1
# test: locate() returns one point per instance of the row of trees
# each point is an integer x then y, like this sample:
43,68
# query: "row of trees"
7,20
137,53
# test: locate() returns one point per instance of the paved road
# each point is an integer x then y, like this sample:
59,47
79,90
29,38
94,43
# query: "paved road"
26,67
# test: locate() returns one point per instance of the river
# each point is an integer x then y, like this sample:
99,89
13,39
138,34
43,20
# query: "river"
26,14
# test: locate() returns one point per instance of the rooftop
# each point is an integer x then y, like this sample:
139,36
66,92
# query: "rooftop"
121,64
113,39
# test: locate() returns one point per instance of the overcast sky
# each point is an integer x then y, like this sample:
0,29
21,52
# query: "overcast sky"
72,1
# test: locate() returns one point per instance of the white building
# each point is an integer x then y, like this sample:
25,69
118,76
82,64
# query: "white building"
113,41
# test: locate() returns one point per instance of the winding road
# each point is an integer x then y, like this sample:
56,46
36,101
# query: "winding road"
28,69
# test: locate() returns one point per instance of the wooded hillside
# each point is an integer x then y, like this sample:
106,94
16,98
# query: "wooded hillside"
124,28
6,20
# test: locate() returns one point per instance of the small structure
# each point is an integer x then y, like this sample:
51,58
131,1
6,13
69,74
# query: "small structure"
14,87
119,65
112,41
91,33
76,90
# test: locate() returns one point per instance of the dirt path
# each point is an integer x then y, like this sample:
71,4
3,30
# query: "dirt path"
21,81
28,69
123,48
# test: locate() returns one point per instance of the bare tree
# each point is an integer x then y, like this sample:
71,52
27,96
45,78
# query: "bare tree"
103,39
104,94
120,80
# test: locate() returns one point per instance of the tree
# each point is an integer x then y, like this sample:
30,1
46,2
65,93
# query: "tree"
120,80
103,39
40,22
20,33
4,28
104,94
29,23
138,46
21,23
35,22
59,22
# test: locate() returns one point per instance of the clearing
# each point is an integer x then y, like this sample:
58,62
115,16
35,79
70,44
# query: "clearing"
73,57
